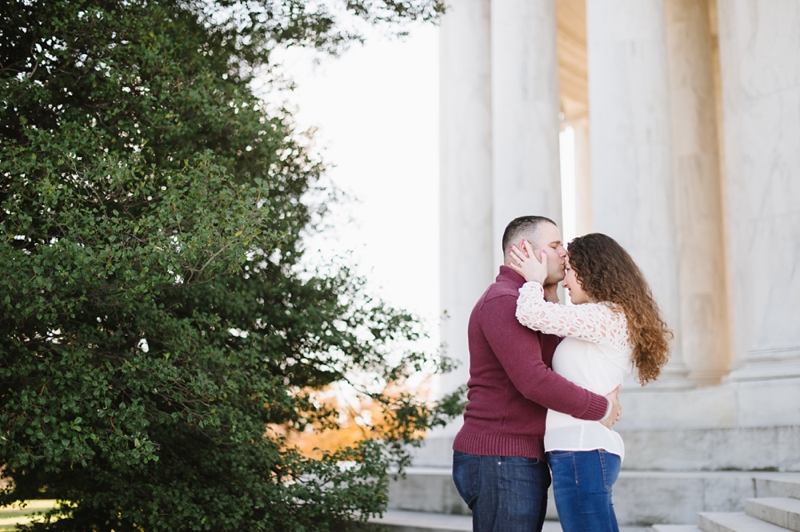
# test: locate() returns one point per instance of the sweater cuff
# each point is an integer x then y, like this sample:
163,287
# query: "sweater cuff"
608,411
597,410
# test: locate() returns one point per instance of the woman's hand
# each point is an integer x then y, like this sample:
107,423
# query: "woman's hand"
526,263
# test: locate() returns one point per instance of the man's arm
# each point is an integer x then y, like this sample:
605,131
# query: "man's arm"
520,353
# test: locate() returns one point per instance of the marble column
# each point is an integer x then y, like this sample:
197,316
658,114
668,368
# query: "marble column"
702,269
466,232
760,76
525,107
629,108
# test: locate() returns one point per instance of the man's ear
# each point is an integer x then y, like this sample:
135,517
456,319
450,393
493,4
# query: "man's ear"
524,249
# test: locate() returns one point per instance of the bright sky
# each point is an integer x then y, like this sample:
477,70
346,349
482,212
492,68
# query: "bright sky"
377,112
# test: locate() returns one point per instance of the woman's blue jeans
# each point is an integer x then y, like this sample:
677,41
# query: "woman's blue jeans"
582,482
505,493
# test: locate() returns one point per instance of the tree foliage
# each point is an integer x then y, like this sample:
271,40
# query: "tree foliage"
157,335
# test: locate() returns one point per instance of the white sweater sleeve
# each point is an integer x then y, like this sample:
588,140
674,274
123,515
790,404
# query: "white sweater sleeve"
598,323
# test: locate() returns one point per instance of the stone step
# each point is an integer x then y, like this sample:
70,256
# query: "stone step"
427,489
404,521
676,528
640,497
734,522
780,511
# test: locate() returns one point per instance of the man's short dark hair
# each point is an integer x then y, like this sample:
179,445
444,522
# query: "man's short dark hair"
524,226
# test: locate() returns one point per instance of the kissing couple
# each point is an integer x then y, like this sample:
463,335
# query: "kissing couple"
544,379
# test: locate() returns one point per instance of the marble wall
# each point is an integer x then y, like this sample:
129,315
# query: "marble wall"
694,166
499,145
756,250
525,160
760,78
466,230
702,268
631,146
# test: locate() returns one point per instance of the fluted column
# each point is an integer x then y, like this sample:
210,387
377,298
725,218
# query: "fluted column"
466,232
633,189
760,74
525,108
698,195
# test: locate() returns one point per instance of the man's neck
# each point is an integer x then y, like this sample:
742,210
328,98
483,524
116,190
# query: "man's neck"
551,293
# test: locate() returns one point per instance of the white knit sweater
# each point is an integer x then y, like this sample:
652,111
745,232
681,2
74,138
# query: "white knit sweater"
595,354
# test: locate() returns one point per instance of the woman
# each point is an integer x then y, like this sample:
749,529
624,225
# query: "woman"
613,326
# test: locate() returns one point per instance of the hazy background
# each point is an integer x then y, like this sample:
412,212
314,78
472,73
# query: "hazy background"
376,110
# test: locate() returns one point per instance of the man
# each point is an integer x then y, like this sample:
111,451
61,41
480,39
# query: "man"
499,463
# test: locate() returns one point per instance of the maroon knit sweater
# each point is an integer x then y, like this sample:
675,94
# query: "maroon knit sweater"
511,385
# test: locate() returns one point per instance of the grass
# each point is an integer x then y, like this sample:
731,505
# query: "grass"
10,516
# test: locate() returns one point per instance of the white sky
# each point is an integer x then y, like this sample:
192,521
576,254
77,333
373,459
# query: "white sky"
377,112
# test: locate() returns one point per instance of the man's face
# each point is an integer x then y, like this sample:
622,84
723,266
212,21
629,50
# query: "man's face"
549,239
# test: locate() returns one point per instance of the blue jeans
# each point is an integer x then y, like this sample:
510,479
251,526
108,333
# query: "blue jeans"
505,493
582,482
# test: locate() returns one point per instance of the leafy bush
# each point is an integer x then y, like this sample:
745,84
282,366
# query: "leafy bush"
157,336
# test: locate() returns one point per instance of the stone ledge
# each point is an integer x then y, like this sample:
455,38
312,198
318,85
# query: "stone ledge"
780,511
771,402
713,449
734,522
779,485
407,521
680,449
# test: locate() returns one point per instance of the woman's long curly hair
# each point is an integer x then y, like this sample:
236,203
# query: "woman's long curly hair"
607,273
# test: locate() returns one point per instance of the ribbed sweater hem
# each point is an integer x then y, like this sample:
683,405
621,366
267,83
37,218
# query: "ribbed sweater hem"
498,445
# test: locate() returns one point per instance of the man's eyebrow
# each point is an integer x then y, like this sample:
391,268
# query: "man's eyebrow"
556,242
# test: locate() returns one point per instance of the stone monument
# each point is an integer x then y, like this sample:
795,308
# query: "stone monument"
687,122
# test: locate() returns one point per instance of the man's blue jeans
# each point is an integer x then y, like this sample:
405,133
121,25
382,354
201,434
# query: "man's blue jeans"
505,493
582,482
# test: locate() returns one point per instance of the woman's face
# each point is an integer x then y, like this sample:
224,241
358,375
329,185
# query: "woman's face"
573,287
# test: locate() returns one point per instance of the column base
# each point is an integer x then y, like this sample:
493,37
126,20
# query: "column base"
768,364
704,378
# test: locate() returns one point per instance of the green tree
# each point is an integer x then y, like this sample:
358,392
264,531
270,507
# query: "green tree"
157,334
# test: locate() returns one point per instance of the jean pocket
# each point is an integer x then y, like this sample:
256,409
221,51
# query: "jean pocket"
467,476
459,456
560,454
520,460
610,465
